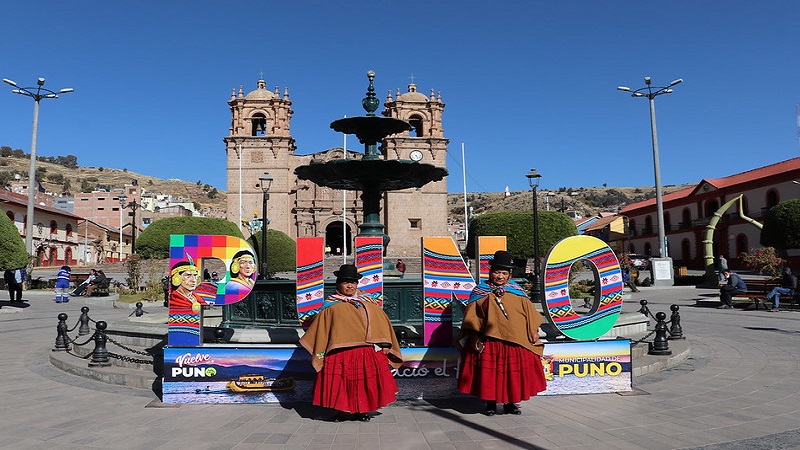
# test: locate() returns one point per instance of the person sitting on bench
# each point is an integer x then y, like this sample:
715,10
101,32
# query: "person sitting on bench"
735,285
82,287
99,282
788,287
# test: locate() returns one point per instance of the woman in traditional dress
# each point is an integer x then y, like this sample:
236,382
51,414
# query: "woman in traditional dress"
352,344
499,341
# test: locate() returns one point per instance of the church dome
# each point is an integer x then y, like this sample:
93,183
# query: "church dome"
412,95
261,92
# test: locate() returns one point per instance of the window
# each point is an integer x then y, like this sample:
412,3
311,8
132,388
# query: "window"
686,221
10,215
53,227
772,198
69,229
415,224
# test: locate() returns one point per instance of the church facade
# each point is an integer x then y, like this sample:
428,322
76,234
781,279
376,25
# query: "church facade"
260,140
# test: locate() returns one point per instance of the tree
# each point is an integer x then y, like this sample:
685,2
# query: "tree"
782,226
517,226
154,240
12,247
281,250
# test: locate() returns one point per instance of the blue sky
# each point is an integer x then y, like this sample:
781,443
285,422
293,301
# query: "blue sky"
527,84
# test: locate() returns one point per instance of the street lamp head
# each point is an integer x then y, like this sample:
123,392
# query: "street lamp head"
674,82
122,198
623,88
533,178
40,81
637,94
265,182
7,81
65,90
646,80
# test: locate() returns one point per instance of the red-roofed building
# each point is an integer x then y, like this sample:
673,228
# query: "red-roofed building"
688,211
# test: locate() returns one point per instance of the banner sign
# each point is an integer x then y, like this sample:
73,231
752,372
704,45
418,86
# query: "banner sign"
284,373
369,262
310,278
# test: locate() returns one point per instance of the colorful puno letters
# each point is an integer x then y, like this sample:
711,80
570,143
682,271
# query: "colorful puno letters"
197,373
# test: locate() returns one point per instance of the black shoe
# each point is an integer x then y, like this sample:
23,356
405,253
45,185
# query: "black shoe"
510,408
362,417
491,408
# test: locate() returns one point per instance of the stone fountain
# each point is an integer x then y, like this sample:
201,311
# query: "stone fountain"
373,174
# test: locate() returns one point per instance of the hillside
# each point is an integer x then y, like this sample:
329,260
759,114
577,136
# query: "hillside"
586,201
56,178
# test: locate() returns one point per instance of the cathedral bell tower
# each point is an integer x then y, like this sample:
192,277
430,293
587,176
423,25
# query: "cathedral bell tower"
413,213
259,141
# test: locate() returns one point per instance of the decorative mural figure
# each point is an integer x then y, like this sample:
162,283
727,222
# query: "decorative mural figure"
352,344
183,277
501,350
242,270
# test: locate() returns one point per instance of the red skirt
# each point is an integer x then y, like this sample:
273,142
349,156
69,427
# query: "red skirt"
355,380
503,372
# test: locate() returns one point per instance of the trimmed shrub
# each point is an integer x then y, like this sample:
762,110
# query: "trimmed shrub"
517,226
12,247
153,242
281,251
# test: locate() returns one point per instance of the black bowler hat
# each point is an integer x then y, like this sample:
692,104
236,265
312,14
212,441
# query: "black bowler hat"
502,260
347,272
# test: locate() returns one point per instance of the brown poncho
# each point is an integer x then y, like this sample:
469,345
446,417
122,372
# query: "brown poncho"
484,316
346,324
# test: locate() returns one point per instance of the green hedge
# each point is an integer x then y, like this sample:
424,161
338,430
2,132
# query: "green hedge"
281,251
517,226
154,240
12,247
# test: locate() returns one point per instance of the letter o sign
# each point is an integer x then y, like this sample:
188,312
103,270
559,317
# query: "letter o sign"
607,302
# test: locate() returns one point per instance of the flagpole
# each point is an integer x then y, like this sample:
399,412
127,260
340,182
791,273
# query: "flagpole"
464,176
344,209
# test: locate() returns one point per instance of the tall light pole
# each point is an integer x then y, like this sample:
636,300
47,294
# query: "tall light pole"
133,206
265,181
651,92
536,290
36,93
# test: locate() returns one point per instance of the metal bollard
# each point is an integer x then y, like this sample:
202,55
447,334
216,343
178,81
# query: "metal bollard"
660,344
644,309
139,312
83,328
675,330
62,340
219,335
403,336
100,353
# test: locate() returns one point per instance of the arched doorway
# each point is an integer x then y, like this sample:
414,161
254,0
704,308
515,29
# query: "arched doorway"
68,256
336,234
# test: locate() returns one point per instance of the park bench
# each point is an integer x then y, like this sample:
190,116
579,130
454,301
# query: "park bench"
102,289
757,290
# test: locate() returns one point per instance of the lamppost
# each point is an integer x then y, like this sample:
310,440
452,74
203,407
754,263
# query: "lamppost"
651,92
133,206
536,289
36,93
265,181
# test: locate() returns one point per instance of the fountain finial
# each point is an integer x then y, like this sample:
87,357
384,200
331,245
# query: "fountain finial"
370,102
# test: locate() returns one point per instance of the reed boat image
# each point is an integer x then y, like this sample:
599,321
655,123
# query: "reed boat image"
259,383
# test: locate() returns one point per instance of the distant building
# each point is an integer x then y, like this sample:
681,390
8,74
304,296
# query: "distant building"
689,210
55,232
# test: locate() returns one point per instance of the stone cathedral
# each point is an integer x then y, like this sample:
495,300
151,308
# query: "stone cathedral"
260,140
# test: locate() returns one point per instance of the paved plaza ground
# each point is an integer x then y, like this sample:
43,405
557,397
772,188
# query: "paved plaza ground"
739,390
